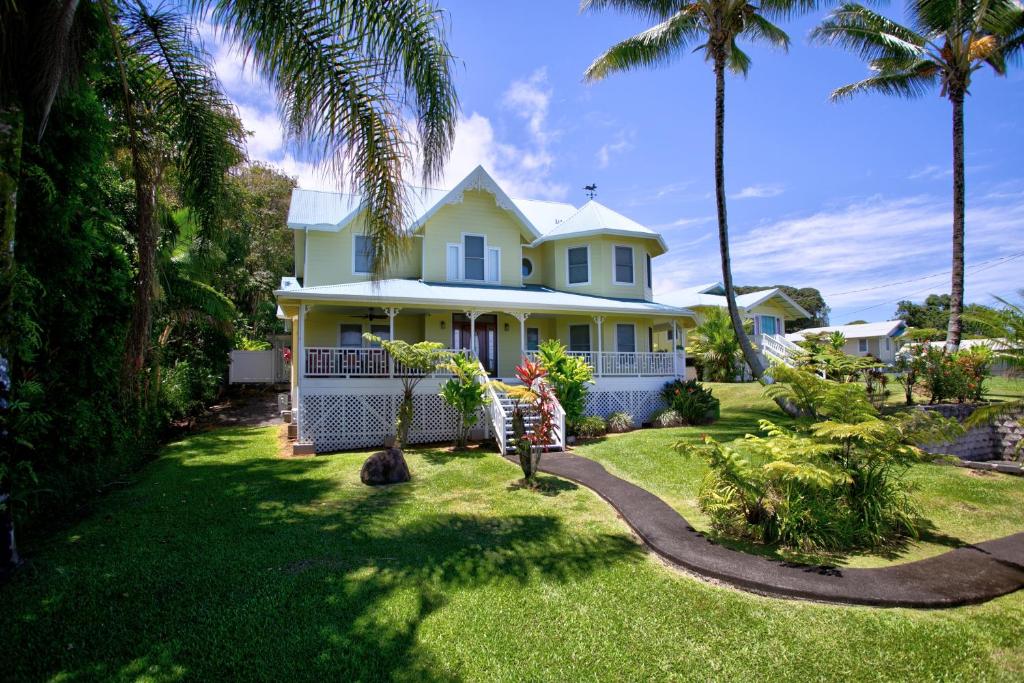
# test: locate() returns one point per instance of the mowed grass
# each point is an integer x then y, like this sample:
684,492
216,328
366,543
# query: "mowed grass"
224,561
960,506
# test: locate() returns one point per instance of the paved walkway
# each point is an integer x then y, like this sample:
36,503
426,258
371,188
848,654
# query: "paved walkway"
963,576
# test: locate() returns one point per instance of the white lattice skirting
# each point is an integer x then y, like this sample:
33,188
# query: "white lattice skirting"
641,404
337,422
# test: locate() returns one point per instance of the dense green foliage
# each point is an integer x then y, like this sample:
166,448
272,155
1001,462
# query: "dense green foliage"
832,483
569,376
715,348
591,426
666,417
620,421
823,354
465,393
958,376
931,317
691,401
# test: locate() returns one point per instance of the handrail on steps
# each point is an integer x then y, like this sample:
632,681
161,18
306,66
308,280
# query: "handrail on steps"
494,409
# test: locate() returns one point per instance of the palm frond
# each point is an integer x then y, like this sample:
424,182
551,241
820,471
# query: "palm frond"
738,61
656,46
644,9
909,83
759,29
869,34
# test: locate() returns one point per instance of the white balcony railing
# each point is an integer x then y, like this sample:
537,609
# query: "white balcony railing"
630,363
330,361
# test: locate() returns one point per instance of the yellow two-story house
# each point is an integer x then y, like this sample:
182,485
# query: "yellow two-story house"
484,273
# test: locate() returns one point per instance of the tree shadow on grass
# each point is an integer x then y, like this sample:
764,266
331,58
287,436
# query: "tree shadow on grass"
544,485
440,455
217,565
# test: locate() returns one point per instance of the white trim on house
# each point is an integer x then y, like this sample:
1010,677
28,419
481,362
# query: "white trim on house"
492,271
568,271
615,265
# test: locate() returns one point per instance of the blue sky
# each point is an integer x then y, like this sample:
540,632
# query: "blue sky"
851,198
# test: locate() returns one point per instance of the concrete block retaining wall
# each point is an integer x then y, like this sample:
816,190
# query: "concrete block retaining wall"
995,441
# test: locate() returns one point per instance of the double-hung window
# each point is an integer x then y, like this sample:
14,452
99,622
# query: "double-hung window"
624,265
649,276
579,337
532,338
578,259
862,345
474,257
768,324
471,259
625,337
362,255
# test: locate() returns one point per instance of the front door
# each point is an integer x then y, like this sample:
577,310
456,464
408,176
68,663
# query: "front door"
486,338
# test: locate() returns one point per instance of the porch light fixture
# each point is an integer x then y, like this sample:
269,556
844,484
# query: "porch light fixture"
442,324
506,327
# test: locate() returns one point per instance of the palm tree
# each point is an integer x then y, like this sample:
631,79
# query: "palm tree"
347,76
713,27
945,43
715,346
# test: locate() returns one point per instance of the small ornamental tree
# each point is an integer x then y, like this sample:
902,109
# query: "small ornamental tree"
412,362
569,376
536,398
464,392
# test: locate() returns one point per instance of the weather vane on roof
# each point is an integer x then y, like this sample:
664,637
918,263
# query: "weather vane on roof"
591,190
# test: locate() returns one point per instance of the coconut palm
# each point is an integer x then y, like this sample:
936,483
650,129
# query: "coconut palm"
347,76
944,44
713,27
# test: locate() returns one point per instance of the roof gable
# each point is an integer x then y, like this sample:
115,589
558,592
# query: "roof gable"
886,328
594,218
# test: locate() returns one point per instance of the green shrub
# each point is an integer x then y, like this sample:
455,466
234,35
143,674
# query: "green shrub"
591,426
691,401
620,422
244,343
666,417
569,375
958,376
465,393
829,485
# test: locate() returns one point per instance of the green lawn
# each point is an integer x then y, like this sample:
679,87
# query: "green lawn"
1004,388
960,506
222,560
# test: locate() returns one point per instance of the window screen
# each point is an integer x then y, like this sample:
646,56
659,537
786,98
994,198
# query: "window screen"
351,335
532,338
625,338
363,254
624,264
579,269
579,337
474,257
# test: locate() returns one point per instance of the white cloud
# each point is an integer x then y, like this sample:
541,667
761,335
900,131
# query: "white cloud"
608,150
265,135
684,222
931,172
760,191
529,99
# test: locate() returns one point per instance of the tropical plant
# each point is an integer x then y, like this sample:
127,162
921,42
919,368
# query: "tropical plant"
823,353
620,421
958,376
534,398
945,43
666,417
1005,326
909,367
713,27
569,376
416,361
465,393
591,427
834,483
691,401
715,347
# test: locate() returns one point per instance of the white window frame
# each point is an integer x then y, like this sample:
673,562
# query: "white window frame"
617,326
862,345
355,270
489,276
649,282
615,265
567,271
529,260
887,346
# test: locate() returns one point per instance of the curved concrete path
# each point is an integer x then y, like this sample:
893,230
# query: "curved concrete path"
963,576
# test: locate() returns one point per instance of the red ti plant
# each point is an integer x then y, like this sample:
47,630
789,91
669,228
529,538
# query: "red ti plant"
535,398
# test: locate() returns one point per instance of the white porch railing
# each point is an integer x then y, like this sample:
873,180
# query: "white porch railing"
330,361
630,363
775,347
495,411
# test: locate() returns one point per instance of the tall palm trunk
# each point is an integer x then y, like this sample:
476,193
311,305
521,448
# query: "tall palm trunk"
749,355
956,291
139,333
12,126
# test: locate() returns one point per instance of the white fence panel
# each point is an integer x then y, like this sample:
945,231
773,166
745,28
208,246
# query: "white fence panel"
253,367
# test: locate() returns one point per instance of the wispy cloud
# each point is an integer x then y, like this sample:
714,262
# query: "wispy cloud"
607,151
931,172
760,191
684,222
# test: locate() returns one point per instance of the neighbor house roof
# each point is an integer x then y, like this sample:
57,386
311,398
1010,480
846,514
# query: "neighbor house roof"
420,293
712,294
541,220
886,328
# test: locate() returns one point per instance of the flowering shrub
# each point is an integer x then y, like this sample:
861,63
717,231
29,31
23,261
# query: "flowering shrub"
286,354
958,376
620,422
536,398
691,401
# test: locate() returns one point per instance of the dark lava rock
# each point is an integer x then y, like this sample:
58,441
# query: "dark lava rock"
385,467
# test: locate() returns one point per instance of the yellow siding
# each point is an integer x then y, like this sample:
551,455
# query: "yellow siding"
300,252
601,271
536,257
476,214
330,257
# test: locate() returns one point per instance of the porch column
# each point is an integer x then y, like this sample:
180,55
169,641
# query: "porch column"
682,344
521,317
599,319
472,315
675,368
391,313
301,360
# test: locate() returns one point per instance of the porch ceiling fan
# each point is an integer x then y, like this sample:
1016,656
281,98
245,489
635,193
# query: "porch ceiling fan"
371,316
